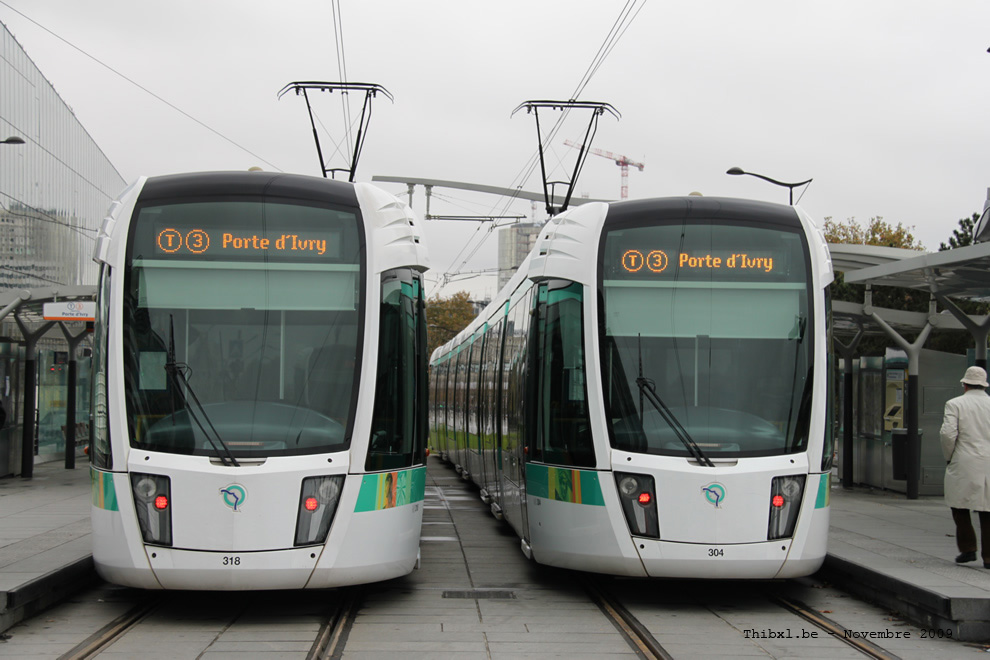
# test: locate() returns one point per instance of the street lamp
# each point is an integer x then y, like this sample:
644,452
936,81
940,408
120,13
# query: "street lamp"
13,140
735,171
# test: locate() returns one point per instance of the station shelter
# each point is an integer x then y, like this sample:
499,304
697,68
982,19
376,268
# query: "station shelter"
892,404
44,376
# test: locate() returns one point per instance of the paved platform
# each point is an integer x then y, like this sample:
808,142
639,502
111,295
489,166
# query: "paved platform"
889,549
45,550
900,553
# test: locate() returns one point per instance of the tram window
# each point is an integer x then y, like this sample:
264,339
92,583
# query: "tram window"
516,386
395,431
719,324
563,433
99,443
259,339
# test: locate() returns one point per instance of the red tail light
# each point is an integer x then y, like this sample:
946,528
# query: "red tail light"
311,504
645,498
161,502
778,501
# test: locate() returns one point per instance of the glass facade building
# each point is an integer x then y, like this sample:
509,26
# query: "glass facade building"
54,191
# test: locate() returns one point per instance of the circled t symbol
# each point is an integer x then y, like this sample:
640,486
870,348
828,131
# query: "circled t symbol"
632,260
169,240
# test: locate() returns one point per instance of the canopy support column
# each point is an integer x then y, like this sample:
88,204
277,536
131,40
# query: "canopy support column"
913,351
848,353
30,399
70,398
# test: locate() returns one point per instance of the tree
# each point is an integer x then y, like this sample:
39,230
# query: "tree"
963,236
445,317
877,232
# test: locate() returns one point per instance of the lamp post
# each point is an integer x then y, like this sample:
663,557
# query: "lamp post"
13,140
736,171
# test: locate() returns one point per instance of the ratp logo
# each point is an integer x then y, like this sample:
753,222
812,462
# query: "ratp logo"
234,496
714,493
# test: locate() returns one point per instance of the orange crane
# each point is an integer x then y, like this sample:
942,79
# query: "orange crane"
621,161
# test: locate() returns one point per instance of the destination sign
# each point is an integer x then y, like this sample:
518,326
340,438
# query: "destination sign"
187,242
657,261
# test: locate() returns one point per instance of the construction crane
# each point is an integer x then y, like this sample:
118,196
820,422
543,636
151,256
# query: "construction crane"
621,161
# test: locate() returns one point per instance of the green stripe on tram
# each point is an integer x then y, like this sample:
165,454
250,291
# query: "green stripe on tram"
824,491
104,494
564,484
385,490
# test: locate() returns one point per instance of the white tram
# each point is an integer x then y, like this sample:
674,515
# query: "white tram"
650,394
259,384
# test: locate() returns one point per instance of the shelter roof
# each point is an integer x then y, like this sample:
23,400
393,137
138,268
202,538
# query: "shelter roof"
960,273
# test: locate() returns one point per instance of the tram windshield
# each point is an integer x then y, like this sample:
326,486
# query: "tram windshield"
242,327
715,318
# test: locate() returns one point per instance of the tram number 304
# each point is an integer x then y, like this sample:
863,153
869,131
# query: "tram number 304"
231,561
715,552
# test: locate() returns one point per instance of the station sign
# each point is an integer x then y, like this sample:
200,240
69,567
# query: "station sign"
72,310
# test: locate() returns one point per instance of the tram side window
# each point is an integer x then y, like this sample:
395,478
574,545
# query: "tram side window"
100,454
395,425
475,392
516,388
563,429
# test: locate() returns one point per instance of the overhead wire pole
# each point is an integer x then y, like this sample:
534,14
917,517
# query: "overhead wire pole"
370,90
597,109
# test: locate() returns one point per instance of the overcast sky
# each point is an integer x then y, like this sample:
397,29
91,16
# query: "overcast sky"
884,103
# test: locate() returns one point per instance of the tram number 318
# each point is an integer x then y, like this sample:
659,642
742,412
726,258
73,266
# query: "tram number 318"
231,561
715,552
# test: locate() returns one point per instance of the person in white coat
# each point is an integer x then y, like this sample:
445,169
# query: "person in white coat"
965,438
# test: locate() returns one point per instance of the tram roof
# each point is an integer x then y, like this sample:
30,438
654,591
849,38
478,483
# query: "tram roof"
960,273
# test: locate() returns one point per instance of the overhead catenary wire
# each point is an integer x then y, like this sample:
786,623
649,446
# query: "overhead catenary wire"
629,12
338,35
143,88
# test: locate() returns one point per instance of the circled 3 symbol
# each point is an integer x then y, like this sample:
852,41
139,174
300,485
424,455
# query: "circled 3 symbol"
198,241
657,261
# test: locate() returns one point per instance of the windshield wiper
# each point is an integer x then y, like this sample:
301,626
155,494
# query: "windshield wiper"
648,388
178,377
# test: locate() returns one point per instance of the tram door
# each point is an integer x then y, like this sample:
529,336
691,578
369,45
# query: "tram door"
488,409
512,415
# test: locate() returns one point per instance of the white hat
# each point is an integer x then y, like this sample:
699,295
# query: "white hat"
975,376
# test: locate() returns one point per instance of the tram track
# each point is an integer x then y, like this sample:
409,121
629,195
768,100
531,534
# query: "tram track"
864,646
646,645
330,641
635,633
116,629
160,609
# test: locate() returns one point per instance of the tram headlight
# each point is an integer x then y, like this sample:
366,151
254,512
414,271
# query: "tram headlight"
637,493
785,503
317,506
152,503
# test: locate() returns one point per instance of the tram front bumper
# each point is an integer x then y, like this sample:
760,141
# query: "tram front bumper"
736,561
232,571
